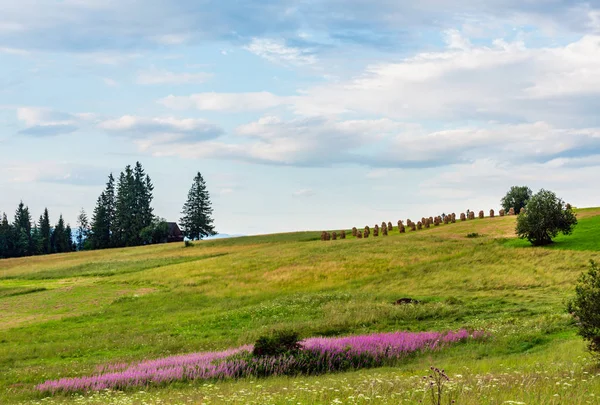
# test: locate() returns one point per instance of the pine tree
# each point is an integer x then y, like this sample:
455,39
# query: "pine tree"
5,237
103,219
196,221
22,231
45,232
125,217
68,240
110,206
36,241
82,229
59,237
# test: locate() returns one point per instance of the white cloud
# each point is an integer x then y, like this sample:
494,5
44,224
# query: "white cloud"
277,51
162,130
231,102
504,81
166,77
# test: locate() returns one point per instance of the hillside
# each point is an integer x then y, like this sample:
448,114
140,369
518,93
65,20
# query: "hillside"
66,315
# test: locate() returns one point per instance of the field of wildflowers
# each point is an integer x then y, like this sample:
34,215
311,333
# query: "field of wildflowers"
317,356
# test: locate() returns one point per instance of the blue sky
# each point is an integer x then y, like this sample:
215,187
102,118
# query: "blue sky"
300,114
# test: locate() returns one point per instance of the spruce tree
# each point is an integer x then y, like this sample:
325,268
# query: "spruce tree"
68,241
45,232
82,229
36,241
22,231
103,219
196,221
59,237
124,231
5,237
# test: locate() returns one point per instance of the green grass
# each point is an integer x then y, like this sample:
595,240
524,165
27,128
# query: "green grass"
65,315
586,236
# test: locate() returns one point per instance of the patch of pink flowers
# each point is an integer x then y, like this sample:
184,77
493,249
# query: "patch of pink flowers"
320,355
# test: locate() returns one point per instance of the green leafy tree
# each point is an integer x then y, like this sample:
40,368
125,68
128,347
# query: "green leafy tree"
517,198
545,216
585,307
157,232
83,228
45,232
196,221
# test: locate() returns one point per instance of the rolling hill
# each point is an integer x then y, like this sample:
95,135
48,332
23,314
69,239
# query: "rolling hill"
69,314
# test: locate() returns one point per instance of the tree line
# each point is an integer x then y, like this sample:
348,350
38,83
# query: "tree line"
123,216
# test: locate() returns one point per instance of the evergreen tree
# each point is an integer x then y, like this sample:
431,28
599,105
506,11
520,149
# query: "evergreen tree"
82,229
45,232
133,206
5,237
103,219
22,231
59,237
68,241
36,241
197,221
110,206
124,231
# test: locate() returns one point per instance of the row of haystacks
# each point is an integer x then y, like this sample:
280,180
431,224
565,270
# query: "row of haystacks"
425,222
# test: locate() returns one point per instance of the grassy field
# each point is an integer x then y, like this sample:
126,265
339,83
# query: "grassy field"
66,314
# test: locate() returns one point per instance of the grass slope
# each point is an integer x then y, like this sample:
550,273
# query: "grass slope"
64,315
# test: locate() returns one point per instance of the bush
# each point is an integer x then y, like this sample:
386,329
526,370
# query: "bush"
585,307
278,344
188,243
517,197
473,235
545,217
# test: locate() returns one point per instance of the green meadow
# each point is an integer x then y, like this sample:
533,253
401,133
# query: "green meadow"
66,315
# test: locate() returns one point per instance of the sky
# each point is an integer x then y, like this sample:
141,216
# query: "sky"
300,114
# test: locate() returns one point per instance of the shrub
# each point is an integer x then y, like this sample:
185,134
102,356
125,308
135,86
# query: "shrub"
585,307
473,235
517,197
188,243
546,216
278,344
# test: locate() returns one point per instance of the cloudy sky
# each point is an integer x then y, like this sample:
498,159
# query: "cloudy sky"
300,114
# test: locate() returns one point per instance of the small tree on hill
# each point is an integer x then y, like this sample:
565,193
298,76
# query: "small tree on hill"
545,217
517,198
196,221
585,307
